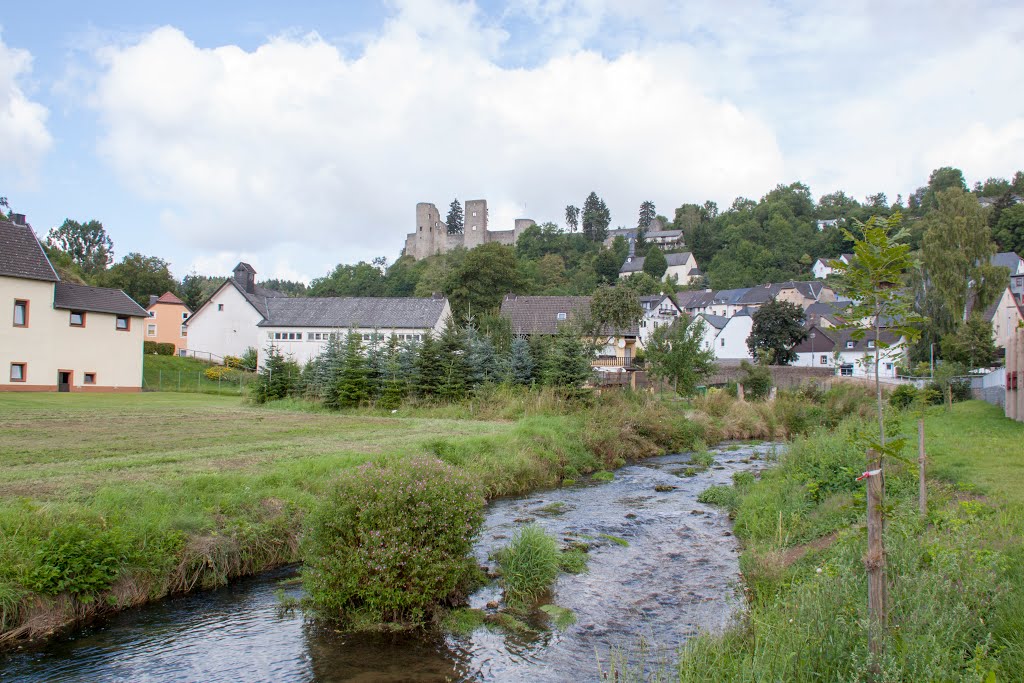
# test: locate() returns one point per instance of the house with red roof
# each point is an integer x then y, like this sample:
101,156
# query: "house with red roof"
166,324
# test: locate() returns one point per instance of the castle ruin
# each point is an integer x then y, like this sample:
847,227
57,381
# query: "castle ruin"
431,234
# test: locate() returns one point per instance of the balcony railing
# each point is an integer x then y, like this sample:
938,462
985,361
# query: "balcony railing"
627,362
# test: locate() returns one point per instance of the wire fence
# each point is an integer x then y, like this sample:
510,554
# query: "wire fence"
230,384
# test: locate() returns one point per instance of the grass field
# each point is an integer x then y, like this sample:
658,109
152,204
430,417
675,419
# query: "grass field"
956,577
173,373
111,500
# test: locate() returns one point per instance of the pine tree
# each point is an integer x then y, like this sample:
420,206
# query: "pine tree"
393,385
572,217
276,379
375,359
455,220
481,359
326,368
429,367
455,371
518,365
352,387
647,215
568,363
596,218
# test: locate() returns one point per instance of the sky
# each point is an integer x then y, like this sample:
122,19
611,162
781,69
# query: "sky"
297,136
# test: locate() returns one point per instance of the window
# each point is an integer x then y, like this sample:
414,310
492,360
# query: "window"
824,360
871,343
561,316
20,313
849,344
888,367
90,378
184,331
19,371
78,318
184,315
150,330
220,307
123,323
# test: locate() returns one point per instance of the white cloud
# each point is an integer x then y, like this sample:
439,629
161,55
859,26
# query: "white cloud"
24,138
294,144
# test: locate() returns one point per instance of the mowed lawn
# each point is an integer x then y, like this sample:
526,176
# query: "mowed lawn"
974,445
65,446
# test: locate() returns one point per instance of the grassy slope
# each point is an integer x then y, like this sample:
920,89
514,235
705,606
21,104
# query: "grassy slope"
957,579
173,373
186,490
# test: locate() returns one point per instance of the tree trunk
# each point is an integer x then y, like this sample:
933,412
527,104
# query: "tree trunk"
922,489
874,562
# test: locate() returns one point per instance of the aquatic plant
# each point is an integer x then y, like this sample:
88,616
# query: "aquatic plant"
529,566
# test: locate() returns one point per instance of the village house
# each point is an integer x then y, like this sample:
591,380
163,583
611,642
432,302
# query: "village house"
62,336
546,315
166,324
730,302
840,350
682,267
727,336
300,328
660,310
821,268
1008,312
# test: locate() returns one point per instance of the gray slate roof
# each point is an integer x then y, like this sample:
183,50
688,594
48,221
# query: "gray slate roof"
259,297
664,234
716,321
1006,259
677,259
346,312
21,255
633,264
96,299
539,314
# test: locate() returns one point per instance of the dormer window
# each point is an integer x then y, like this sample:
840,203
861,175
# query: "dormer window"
561,316
871,343
849,344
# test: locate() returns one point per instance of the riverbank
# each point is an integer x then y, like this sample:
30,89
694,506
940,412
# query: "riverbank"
956,596
111,501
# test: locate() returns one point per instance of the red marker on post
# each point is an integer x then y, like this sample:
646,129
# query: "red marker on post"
869,473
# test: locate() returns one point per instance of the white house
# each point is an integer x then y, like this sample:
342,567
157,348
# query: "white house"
727,337
225,325
1010,261
62,336
837,349
300,327
683,267
1008,312
822,270
659,310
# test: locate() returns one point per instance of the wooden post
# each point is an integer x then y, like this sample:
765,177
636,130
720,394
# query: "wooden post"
874,562
922,489
739,392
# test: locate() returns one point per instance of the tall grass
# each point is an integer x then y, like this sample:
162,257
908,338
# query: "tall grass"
529,566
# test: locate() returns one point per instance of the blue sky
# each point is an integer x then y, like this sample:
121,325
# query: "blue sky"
298,137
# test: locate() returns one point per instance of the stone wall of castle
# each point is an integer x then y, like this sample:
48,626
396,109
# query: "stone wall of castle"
431,234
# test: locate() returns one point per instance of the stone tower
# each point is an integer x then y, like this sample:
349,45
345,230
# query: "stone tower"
522,224
431,233
475,223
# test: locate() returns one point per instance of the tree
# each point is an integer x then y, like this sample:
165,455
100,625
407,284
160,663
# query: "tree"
485,276
596,218
87,244
655,264
647,214
393,382
454,221
607,265
429,367
677,354
1008,230
778,328
518,365
352,387
139,276
957,247
289,287
972,345
277,377
196,289
481,359
614,308
567,365
572,217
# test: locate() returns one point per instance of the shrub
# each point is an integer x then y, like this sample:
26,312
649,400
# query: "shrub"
250,358
529,566
220,372
756,381
77,559
903,397
391,543
157,348
232,362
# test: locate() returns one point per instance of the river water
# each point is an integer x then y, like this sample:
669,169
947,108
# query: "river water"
638,602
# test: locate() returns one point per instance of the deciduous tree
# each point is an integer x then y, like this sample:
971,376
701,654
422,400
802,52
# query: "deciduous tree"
677,354
778,328
572,217
615,308
87,244
139,276
655,264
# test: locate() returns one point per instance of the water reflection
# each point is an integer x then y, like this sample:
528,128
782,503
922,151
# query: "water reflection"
675,577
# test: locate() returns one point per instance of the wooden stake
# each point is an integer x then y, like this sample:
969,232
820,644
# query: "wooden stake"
739,392
922,489
874,562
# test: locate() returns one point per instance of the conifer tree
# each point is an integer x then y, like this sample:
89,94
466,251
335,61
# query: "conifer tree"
352,387
429,367
393,385
519,364
481,359
455,371
276,379
455,220
568,363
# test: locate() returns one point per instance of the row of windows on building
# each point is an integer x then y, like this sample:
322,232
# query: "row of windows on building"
151,330
325,336
19,373
75,318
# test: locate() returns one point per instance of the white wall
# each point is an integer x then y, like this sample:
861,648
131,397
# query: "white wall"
306,348
731,342
227,332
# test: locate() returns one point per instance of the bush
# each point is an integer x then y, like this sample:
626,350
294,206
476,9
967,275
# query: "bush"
77,559
157,348
529,566
392,542
233,362
220,372
903,397
756,381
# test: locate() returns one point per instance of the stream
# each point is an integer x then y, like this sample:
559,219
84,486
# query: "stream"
636,602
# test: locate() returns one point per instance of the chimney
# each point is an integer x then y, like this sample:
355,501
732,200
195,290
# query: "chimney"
18,219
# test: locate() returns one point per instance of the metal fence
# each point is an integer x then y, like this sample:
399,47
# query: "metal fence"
196,382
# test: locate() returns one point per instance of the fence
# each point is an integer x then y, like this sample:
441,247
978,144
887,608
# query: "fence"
196,382
201,355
